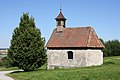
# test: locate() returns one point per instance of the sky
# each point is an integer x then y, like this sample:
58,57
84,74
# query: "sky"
102,15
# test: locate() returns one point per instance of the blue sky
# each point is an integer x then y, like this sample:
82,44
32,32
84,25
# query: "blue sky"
103,15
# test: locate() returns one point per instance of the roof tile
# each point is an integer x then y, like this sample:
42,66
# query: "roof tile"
74,37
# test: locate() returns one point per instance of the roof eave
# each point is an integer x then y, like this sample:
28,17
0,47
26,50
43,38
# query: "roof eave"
75,47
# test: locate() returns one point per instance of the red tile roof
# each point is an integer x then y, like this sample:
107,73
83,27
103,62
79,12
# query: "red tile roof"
82,37
60,16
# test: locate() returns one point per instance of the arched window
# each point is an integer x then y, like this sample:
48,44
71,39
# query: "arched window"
70,55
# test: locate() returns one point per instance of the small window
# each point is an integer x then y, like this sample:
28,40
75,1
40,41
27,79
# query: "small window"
70,55
59,23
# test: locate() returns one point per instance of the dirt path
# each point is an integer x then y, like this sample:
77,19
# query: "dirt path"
4,77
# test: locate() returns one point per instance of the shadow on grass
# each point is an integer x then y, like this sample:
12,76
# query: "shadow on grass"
107,63
21,71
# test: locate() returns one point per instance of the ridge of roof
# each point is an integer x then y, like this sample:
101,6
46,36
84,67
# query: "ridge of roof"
89,37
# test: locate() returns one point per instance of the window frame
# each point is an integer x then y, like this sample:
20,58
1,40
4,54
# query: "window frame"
70,54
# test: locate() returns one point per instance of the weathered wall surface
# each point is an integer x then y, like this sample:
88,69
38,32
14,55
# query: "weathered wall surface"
81,58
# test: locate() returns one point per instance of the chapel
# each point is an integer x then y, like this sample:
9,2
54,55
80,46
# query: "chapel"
73,47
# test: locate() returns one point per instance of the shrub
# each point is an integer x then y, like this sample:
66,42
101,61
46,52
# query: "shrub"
6,63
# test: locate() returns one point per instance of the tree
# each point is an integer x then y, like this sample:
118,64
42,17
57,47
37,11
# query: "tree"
27,46
112,48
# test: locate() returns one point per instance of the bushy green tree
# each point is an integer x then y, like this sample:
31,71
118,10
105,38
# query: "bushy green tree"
112,48
27,46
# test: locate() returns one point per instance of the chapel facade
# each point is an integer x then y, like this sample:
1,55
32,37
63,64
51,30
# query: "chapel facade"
73,47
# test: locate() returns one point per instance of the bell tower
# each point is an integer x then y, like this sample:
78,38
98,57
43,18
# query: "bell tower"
60,21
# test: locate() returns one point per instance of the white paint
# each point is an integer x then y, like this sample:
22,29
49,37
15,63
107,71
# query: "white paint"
81,58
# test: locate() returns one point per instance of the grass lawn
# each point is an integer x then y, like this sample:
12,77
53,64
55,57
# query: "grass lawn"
110,70
7,69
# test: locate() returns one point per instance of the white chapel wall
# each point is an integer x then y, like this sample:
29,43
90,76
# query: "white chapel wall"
81,58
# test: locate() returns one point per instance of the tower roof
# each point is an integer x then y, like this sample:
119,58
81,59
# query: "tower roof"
60,16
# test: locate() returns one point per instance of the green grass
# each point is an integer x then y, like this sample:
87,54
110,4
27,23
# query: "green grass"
110,70
7,69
